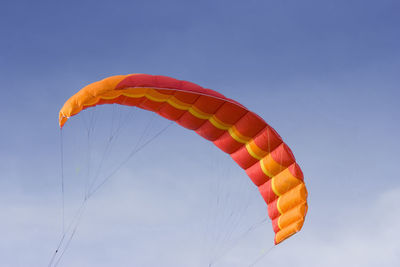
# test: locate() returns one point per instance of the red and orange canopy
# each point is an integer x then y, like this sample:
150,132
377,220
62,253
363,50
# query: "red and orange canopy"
246,137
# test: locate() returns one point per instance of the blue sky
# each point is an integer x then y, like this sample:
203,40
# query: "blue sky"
324,74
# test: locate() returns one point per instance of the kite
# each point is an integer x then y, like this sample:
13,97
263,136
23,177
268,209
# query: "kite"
254,145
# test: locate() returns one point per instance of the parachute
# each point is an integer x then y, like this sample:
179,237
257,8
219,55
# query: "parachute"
246,137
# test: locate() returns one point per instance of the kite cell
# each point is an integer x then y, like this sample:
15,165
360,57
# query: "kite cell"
247,138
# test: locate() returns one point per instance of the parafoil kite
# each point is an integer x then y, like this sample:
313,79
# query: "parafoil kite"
247,138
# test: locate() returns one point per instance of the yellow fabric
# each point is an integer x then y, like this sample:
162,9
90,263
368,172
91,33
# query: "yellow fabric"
255,151
270,167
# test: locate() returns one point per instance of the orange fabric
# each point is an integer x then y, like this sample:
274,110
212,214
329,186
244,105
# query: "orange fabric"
292,198
283,182
288,231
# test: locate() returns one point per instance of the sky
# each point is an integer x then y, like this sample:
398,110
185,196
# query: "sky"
324,74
